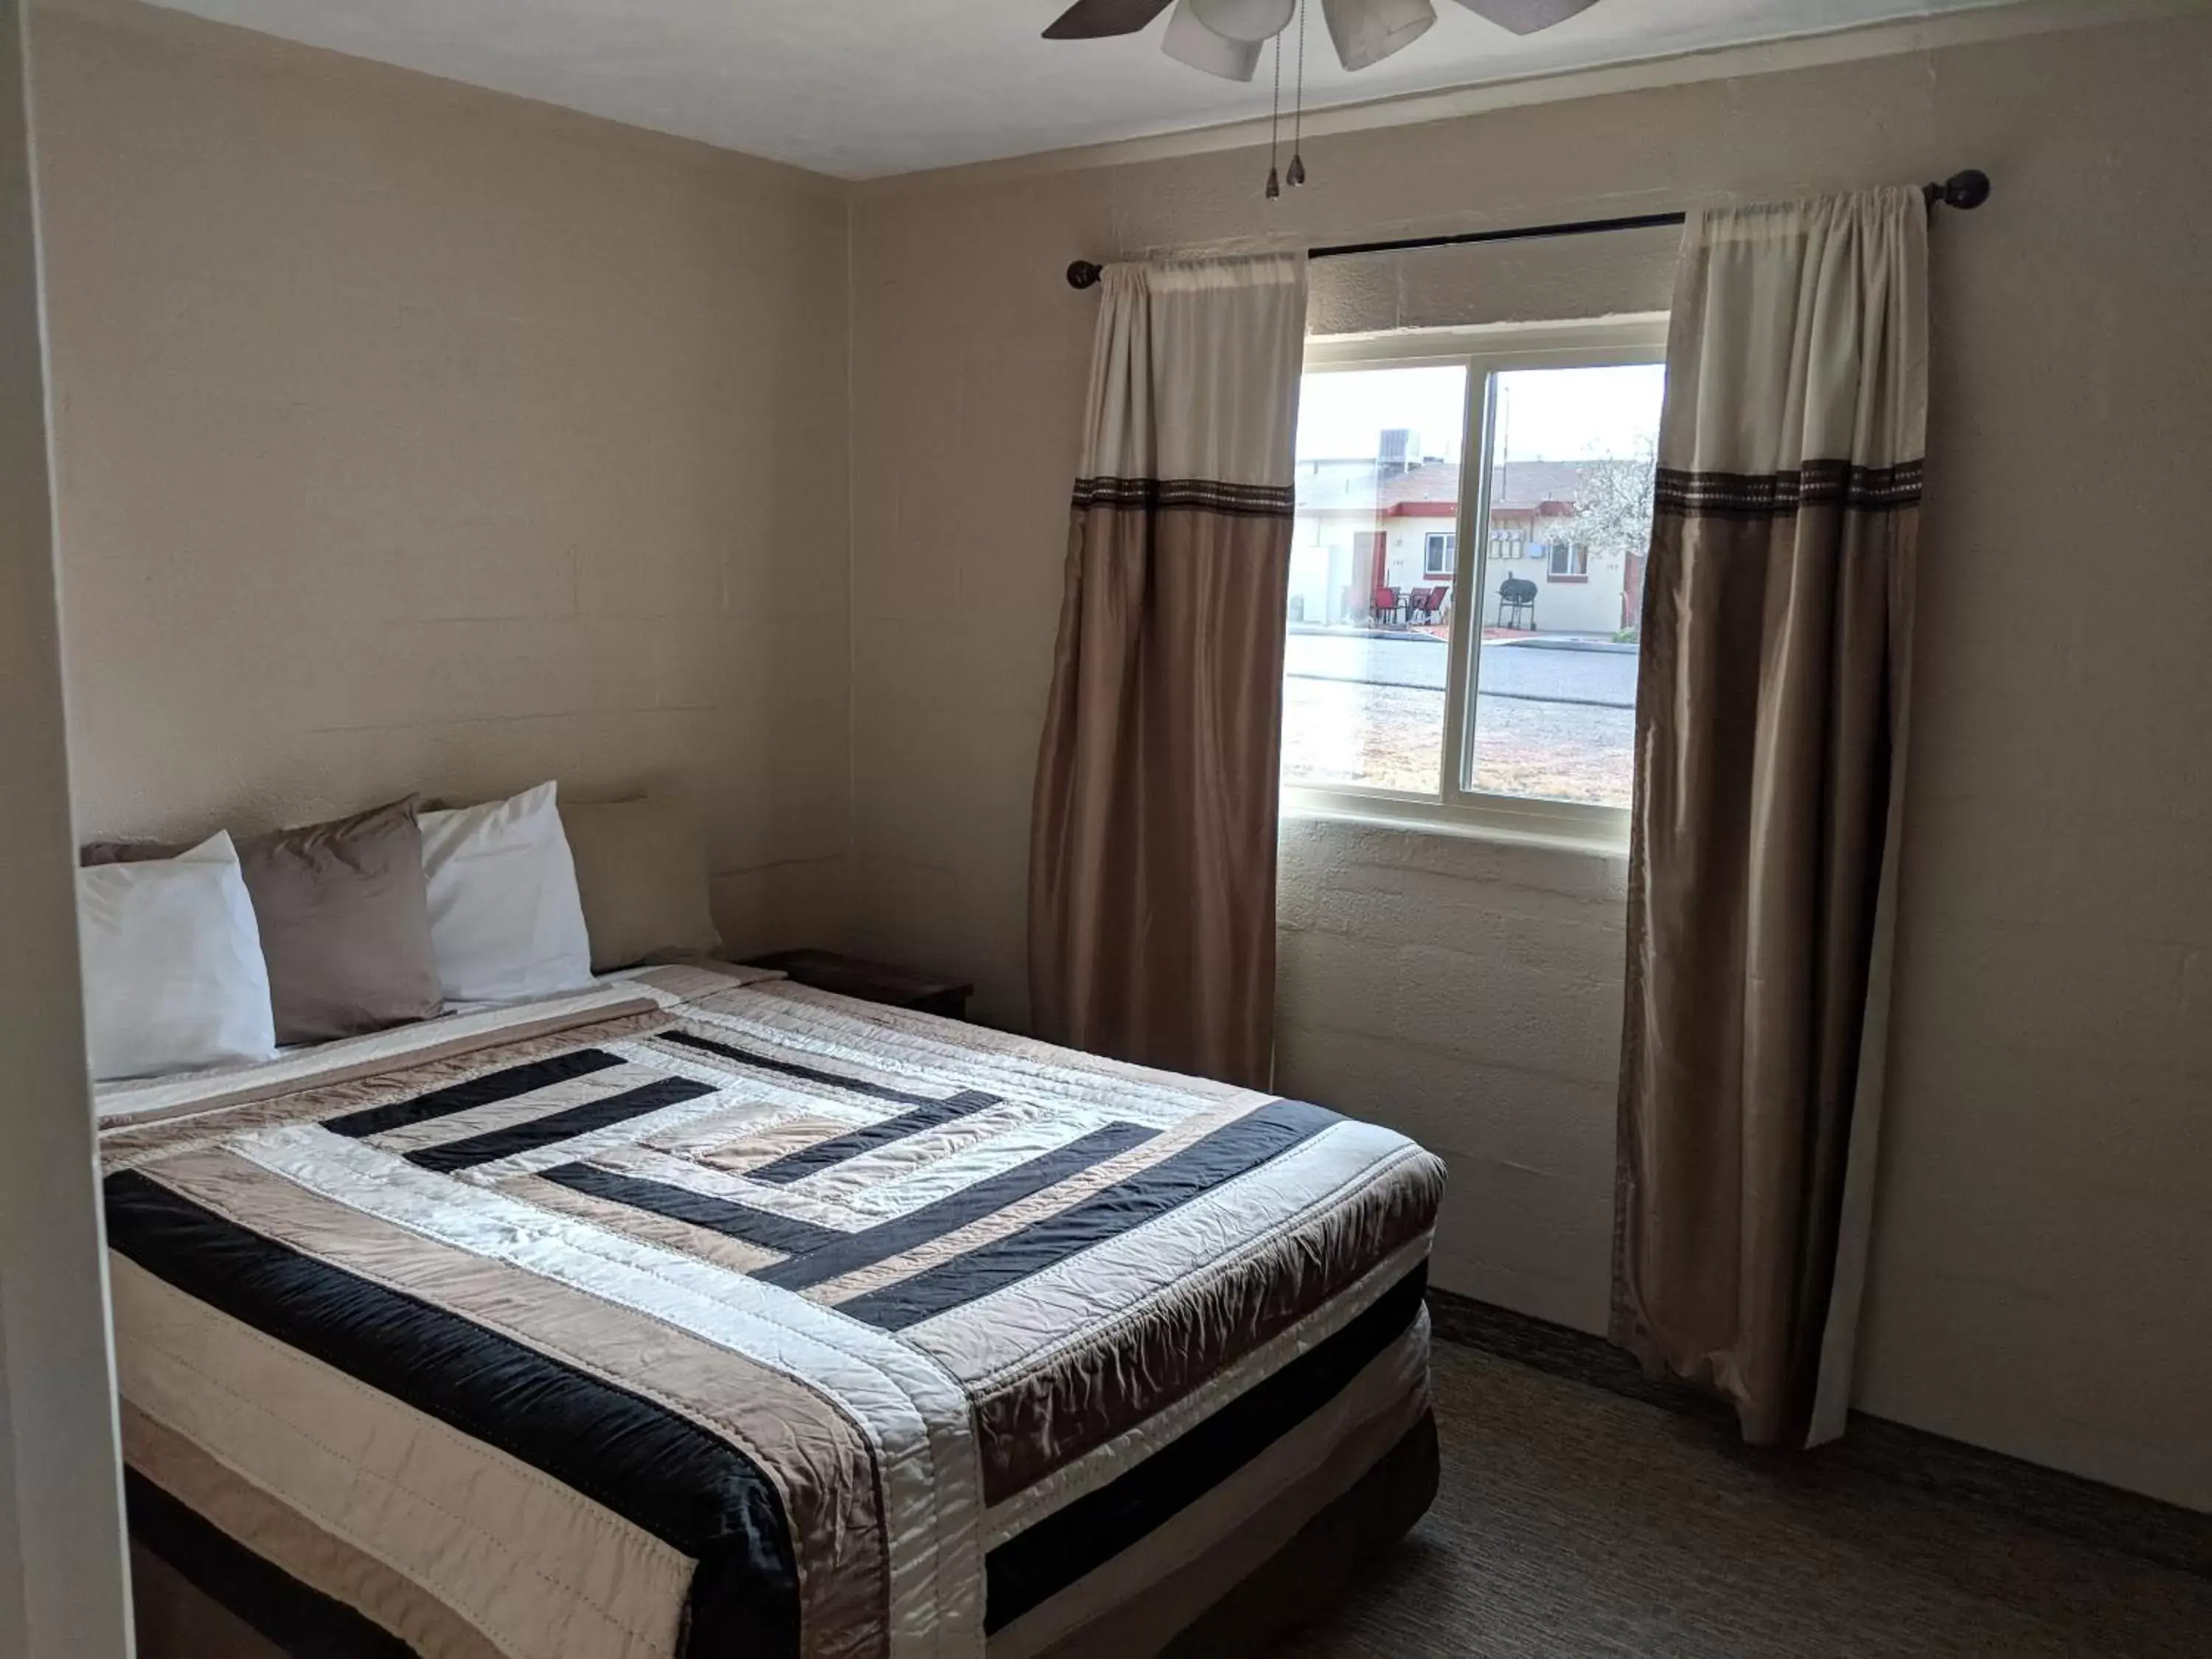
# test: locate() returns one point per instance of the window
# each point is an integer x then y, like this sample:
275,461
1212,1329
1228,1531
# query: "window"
1512,701
1362,682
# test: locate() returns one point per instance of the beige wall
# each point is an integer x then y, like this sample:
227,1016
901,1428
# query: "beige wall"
61,1588
2040,1282
414,436
1468,990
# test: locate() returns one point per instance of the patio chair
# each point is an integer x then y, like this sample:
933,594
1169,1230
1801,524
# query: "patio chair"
1387,604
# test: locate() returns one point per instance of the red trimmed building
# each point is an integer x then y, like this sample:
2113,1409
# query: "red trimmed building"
1392,524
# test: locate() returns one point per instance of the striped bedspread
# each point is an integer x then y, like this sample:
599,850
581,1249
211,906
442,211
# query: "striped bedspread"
703,1314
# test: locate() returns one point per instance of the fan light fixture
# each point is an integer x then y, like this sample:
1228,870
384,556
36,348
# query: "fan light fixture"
1246,20
1369,32
1226,37
1365,31
1190,41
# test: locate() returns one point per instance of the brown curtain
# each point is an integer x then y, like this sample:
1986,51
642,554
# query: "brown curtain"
1152,837
1770,736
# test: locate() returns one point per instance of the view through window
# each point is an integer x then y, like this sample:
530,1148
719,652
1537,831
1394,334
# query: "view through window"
1366,664
1374,661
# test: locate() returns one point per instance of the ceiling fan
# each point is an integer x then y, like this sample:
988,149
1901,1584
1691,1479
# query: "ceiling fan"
1224,37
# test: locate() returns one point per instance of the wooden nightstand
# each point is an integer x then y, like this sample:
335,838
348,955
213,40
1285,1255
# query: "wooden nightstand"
869,982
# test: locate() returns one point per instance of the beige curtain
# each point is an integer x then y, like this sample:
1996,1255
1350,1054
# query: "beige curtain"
1771,737
1152,838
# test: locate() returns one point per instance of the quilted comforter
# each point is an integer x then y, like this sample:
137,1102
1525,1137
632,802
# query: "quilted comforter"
703,1314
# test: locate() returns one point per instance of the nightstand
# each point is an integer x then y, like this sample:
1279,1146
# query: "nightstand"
869,982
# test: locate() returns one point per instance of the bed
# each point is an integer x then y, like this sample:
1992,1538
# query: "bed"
700,1313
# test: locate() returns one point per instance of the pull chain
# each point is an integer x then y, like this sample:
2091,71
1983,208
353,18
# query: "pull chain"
1275,126
1297,175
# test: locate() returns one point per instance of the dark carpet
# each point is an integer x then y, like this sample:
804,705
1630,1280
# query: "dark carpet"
1577,1519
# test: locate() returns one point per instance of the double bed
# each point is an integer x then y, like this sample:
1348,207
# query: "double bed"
701,1313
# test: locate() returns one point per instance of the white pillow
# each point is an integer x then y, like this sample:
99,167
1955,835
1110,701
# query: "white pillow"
173,978
505,920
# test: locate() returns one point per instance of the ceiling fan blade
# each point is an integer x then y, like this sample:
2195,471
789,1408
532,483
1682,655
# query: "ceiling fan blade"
1367,31
1190,41
1095,20
1527,17
1246,20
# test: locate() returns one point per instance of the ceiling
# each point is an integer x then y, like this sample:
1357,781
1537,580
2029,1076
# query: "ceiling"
864,88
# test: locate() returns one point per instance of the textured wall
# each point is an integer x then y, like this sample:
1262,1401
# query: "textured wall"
413,436
2041,1281
1468,991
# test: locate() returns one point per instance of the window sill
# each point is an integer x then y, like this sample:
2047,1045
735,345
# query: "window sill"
1596,838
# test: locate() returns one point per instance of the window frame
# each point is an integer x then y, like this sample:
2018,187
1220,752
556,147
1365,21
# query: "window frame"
1450,540
1484,352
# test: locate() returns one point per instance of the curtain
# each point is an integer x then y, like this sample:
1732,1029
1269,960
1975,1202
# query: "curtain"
1152,836
1770,736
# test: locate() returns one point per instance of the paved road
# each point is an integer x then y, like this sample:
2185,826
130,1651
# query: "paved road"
1541,673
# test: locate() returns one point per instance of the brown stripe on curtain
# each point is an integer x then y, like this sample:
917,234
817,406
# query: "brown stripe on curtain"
1152,839
1771,734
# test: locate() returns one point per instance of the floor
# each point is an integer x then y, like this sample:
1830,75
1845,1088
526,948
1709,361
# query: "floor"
1578,1519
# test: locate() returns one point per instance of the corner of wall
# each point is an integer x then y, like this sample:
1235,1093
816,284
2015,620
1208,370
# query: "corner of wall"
846,921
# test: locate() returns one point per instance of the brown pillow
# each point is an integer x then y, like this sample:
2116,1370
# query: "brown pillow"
344,915
642,873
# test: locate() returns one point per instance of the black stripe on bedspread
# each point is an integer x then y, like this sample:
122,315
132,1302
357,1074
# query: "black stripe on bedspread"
295,1616
851,1085
1033,1566
667,1474
825,1154
852,1251
738,1221
929,1110
506,1083
1231,1150
540,1131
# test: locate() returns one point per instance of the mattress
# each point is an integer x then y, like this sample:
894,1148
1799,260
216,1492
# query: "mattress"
703,1313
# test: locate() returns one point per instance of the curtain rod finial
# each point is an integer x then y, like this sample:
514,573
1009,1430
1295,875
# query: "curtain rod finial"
1081,273
1964,191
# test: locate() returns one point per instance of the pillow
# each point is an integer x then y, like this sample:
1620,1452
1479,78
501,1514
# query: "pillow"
505,920
343,912
174,979
642,873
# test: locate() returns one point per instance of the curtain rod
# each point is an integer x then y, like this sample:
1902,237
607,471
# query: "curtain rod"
1964,191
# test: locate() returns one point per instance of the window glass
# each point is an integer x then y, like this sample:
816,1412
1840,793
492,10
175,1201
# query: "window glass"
1367,660
1565,435
1572,454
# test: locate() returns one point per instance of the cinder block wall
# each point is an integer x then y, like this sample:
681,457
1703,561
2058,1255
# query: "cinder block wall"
411,436
1468,992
